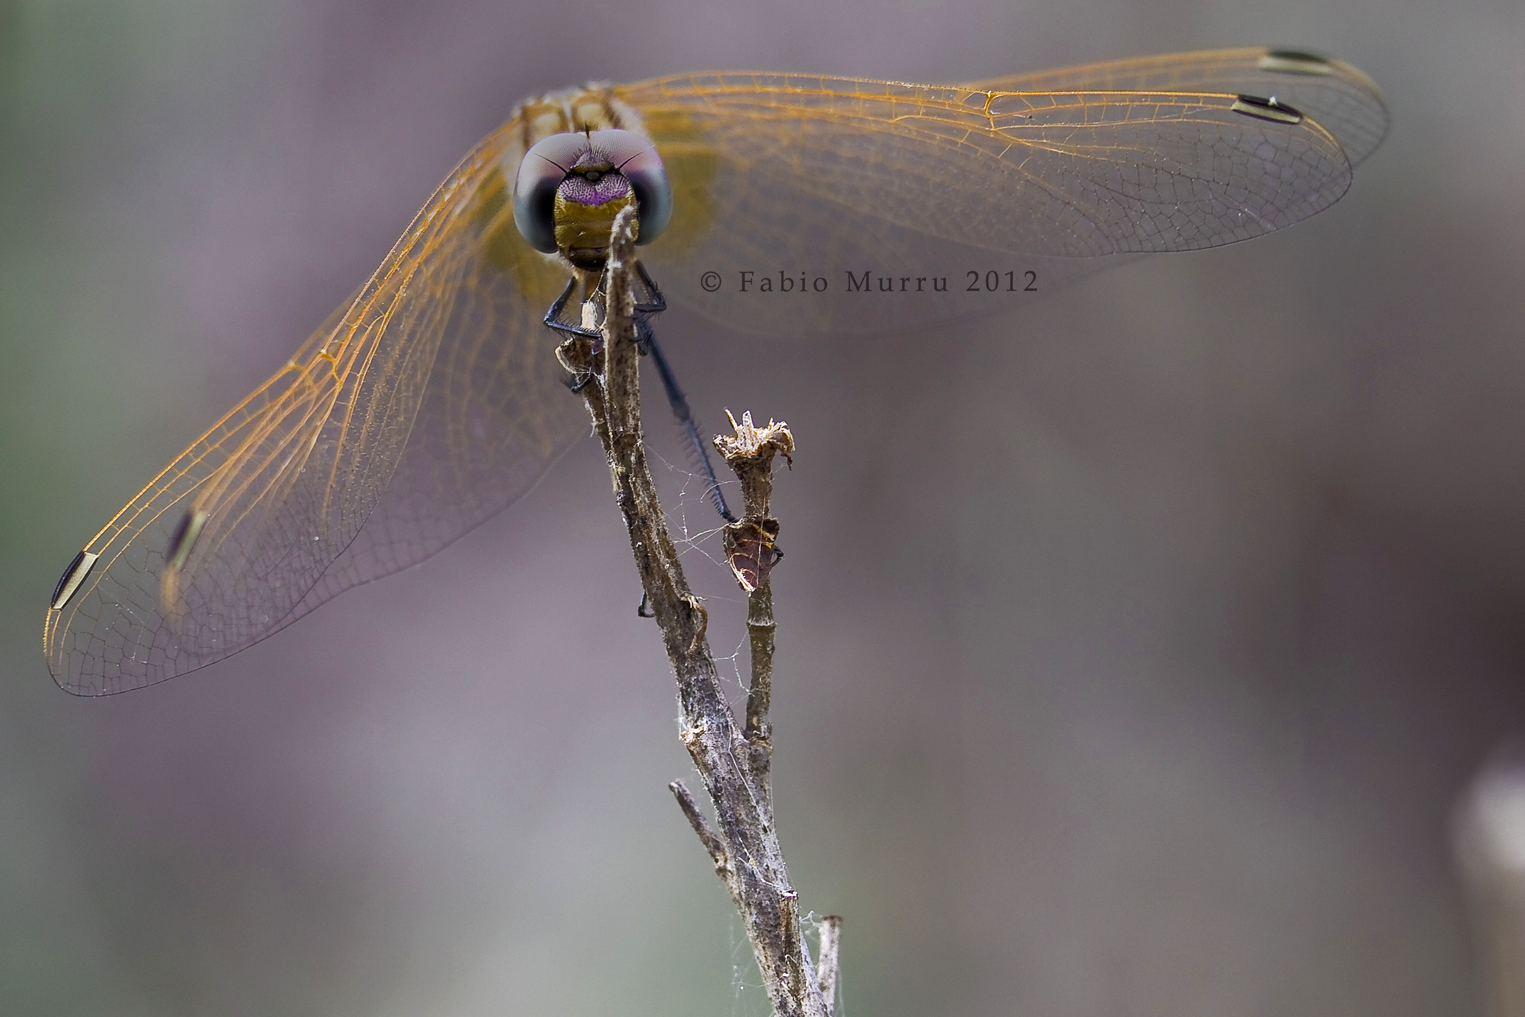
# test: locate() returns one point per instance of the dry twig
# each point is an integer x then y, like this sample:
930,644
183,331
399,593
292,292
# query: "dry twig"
732,761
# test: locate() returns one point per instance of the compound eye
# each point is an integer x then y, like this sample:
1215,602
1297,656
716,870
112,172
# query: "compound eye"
541,172
636,158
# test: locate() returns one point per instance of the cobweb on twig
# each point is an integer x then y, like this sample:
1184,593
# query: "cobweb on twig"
748,996
695,528
697,525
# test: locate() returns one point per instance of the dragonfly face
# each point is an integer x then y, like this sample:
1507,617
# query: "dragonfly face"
782,203
570,184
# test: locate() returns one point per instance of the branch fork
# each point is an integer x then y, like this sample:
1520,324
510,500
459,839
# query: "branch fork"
733,760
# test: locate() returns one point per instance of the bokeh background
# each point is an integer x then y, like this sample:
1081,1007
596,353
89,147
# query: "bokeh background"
1134,649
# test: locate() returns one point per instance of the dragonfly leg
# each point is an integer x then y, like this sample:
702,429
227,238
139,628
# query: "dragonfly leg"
553,316
679,404
568,330
654,301
651,302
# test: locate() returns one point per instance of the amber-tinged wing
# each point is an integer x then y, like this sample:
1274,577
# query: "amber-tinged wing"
867,195
1343,100
424,405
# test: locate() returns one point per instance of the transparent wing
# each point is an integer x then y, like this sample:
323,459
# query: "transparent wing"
424,405
855,200
1340,97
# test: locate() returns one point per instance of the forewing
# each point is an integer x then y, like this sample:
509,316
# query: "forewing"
1340,97
425,404
800,178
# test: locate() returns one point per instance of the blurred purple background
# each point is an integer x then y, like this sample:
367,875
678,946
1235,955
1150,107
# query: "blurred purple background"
1135,674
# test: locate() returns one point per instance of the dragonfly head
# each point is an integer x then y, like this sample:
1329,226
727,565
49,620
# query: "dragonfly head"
571,186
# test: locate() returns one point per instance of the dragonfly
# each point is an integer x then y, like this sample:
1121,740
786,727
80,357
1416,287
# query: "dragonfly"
432,398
